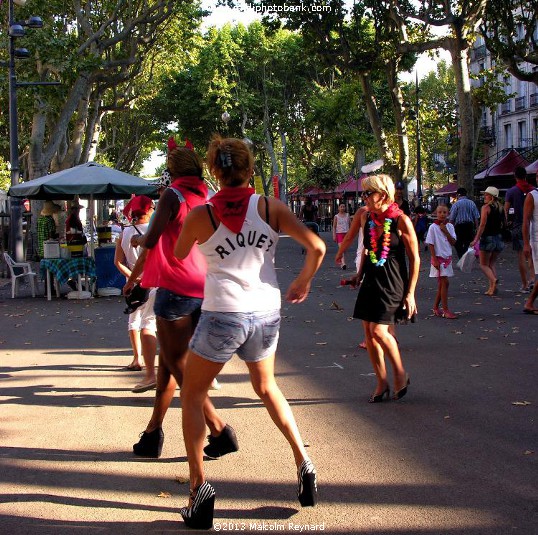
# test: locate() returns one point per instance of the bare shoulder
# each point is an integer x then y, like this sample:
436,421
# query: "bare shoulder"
404,221
198,212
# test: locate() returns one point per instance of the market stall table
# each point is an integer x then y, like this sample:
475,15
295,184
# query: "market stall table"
63,269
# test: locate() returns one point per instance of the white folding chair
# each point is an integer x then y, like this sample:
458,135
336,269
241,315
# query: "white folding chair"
18,270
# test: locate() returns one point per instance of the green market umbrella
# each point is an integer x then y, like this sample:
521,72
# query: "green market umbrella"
90,180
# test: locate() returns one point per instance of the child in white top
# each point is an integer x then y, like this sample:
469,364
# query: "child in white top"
440,239
341,225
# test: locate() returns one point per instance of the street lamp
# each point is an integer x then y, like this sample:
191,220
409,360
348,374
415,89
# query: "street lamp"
16,30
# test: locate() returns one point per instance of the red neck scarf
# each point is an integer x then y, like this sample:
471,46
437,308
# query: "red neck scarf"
191,187
231,206
392,212
524,186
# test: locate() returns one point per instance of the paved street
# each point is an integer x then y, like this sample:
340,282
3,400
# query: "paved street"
458,455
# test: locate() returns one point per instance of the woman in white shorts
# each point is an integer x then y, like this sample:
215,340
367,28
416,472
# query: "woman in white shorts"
237,232
142,325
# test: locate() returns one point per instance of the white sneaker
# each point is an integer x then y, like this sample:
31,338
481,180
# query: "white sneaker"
215,385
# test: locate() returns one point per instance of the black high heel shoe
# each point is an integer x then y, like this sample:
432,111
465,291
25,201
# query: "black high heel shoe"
199,515
307,490
403,391
378,398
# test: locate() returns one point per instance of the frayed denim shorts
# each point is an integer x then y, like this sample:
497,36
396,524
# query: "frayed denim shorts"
171,306
252,335
492,244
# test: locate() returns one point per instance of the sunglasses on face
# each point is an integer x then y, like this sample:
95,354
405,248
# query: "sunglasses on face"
367,193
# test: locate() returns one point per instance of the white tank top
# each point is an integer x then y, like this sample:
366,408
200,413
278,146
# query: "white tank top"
533,230
131,253
342,223
241,273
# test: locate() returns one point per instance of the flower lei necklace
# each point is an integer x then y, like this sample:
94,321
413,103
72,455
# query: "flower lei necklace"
385,248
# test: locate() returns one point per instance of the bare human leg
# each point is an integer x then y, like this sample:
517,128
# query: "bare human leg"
375,352
389,347
199,373
263,381
149,349
174,337
134,338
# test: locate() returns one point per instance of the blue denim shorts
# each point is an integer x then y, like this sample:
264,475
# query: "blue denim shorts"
171,306
252,335
492,244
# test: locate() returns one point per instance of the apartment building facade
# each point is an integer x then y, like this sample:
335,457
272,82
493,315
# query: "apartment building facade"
514,124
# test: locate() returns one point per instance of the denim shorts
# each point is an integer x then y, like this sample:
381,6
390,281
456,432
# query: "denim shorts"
492,244
252,335
171,306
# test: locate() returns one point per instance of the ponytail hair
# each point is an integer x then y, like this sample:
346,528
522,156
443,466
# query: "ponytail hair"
229,160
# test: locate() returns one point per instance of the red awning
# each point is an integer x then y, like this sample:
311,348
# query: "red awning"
351,185
505,166
448,189
312,191
532,169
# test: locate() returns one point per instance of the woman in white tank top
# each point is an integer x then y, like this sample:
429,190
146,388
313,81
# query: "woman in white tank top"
142,326
341,223
237,233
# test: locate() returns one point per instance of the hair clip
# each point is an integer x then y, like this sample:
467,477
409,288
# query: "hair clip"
225,159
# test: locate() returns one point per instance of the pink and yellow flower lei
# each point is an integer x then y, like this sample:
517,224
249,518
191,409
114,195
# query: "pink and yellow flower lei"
385,248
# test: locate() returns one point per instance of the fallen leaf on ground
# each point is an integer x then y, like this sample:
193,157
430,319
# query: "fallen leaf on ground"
164,495
521,403
475,365
182,480
335,306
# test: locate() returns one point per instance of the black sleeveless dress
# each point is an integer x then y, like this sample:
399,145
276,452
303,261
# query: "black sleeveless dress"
383,288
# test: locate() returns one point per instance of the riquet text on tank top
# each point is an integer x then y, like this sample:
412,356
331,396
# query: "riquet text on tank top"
252,239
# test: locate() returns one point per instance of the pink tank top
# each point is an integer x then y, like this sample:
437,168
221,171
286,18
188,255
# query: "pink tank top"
163,270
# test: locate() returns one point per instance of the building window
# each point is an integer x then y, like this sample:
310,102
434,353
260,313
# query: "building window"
535,131
508,141
522,139
519,103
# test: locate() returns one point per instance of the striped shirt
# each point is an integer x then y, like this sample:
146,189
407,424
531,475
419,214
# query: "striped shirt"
463,211
46,229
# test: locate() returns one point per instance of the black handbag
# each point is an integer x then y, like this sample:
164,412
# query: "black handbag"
138,295
136,298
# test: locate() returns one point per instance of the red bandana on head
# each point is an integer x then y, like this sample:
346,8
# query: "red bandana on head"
231,205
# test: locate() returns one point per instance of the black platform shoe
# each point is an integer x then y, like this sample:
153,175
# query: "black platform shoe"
199,515
150,444
225,443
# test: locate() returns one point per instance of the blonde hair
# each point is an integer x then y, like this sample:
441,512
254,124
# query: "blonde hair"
229,160
381,184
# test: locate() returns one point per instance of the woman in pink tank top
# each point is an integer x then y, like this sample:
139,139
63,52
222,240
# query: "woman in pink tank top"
180,286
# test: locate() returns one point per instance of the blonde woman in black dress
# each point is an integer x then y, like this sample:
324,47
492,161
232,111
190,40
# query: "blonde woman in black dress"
387,290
